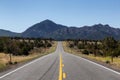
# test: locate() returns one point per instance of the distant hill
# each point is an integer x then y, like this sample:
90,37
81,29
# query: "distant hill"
8,33
95,32
49,29
42,29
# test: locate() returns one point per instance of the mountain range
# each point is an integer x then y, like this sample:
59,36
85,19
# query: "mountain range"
49,29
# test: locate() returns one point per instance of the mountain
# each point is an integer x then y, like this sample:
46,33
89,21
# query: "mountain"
95,32
42,29
49,29
8,33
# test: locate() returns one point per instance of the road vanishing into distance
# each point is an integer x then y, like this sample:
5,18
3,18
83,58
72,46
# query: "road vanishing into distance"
61,66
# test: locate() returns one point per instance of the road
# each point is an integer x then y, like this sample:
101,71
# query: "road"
61,66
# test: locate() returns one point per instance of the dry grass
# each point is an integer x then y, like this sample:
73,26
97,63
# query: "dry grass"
115,63
4,58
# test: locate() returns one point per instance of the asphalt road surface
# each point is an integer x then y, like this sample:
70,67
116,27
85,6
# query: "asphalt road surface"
61,66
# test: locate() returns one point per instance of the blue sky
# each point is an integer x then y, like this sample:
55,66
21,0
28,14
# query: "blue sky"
18,15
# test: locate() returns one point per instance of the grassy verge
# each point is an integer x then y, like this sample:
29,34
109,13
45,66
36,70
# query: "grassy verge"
4,58
115,64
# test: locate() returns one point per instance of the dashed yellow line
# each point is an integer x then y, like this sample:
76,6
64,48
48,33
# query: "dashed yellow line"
61,74
62,65
60,68
64,75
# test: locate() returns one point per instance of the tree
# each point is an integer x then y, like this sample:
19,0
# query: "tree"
25,51
1,45
95,48
109,45
9,48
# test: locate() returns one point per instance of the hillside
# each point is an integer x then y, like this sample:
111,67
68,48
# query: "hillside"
8,33
49,29
42,29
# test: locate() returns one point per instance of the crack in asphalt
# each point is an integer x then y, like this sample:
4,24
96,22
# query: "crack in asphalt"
42,78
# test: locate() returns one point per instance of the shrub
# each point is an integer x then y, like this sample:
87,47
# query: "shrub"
10,63
81,46
15,62
107,62
86,52
49,45
71,45
25,51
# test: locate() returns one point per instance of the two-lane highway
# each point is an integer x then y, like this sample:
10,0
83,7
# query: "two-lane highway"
61,66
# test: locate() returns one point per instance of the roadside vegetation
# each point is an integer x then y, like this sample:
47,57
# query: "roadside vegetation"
107,50
16,50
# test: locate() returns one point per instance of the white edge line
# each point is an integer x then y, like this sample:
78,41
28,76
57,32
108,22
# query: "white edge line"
23,66
97,64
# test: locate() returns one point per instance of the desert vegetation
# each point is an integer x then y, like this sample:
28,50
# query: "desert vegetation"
106,50
15,50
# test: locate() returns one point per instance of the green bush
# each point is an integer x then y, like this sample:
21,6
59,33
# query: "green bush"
86,52
81,46
15,62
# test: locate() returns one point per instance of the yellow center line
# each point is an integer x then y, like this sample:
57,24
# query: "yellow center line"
64,75
62,65
60,68
61,74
